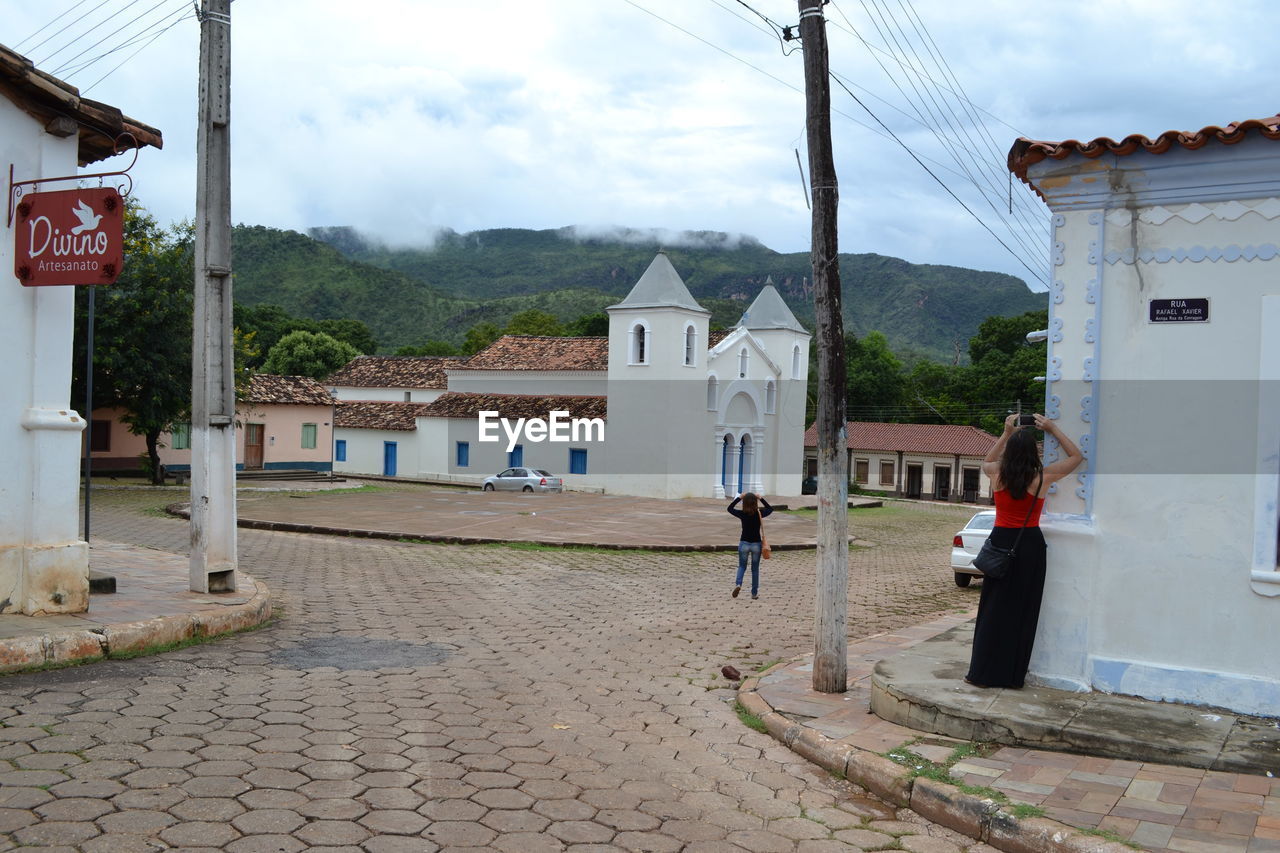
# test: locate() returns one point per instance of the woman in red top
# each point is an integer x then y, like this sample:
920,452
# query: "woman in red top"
1010,608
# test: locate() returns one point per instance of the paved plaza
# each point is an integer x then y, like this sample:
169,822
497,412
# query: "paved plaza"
421,696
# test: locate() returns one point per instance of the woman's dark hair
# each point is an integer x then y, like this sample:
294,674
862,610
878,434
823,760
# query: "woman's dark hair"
1020,463
750,504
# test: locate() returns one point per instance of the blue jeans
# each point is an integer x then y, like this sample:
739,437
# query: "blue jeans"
752,548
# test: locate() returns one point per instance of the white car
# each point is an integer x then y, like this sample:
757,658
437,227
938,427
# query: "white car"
524,480
967,543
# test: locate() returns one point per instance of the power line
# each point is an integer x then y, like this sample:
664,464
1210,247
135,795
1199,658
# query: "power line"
136,52
72,60
66,46
19,45
54,35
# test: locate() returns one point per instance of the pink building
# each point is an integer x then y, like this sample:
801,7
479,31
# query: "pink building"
282,423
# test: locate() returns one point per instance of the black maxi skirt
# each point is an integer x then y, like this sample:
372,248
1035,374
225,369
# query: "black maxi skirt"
1008,612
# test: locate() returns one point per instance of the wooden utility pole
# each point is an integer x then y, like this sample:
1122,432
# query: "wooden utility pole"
830,668
213,397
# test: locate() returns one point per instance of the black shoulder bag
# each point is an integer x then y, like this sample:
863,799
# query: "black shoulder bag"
994,562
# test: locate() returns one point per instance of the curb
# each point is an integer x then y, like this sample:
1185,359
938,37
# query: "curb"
183,510
977,817
87,645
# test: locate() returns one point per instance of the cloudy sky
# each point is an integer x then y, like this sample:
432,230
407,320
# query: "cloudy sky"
403,117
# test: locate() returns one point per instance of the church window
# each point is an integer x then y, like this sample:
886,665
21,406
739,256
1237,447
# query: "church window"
712,393
639,344
742,363
770,397
690,345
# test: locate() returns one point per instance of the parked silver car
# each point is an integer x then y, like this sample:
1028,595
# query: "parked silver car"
524,480
967,543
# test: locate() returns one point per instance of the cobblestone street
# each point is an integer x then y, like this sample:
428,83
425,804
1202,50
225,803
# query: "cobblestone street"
416,697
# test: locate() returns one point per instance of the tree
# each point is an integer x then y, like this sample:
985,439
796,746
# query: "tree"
429,348
353,332
142,332
265,325
877,386
480,336
313,354
1004,364
593,325
535,322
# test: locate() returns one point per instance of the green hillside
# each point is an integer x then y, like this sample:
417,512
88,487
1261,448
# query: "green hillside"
407,296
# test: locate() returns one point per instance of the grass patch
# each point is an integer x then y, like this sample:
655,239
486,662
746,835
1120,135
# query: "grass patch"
346,490
919,766
1109,835
769,663
749,719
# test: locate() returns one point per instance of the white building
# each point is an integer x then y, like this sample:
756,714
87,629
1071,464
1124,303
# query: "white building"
685,413
46,130
1163,365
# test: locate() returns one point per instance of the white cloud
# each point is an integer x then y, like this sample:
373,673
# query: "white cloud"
403,117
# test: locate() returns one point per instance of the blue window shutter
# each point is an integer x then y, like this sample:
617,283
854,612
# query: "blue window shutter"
464,454
340,450
515,459
577,460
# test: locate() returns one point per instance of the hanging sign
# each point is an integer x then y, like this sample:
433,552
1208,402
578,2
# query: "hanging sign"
1178,310
69,237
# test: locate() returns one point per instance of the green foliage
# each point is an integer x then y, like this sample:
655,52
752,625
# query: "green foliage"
313,354
265,325
877,386
589,325
534,322
480,336
430,348
748,719
142,332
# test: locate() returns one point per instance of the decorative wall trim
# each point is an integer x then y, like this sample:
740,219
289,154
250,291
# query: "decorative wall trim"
1196,254
1230,211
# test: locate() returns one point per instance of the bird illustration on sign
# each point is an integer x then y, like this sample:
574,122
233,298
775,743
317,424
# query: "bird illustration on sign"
88,219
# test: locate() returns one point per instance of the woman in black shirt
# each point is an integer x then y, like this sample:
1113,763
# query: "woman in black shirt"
750,515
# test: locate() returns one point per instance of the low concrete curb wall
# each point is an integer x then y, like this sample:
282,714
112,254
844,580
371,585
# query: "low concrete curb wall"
944,804
183,510
85,645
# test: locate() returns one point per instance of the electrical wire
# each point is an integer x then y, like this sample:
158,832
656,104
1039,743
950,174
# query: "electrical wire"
19,45
66,46
937,119
72,60
136,52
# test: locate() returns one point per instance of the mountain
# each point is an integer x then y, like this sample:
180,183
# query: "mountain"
409,295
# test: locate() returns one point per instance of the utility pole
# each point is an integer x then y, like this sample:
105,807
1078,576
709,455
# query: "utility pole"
213,398
830,667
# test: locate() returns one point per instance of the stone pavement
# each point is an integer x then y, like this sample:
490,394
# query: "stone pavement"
1157,806
470,516
420,696
158,608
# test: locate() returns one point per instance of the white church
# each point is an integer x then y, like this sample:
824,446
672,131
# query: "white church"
687,412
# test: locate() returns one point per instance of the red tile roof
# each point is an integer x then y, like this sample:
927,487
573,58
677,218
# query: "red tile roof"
377,414
461,404
937,439
532,352
395,371
1026,152
295,390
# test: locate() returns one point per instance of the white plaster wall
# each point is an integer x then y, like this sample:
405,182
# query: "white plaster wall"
1149,583
396,395
365,448
43,562
582,383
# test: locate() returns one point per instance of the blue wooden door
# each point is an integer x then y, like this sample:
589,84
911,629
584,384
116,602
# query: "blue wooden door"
388,458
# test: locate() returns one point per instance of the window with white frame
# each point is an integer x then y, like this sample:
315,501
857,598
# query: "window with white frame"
743,363
713,395
690,345
795,362
308,436
770,397
639,344
181,437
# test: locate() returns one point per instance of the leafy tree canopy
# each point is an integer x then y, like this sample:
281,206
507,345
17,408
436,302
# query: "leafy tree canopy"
429,348
480,336
265,325
590,325
142,331
313,354
535,322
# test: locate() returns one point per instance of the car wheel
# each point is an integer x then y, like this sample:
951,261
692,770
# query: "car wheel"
962,580
528,488
488,487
